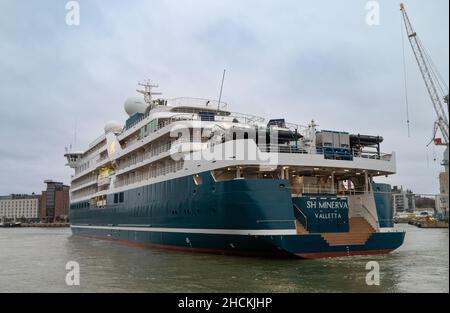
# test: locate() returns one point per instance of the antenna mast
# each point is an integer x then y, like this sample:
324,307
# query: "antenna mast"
147,92
221,88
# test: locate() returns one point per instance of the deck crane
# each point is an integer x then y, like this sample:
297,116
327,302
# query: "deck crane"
437,89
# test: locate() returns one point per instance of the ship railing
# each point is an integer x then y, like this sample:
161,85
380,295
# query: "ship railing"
79,182
213,104
84,184
159,149
356,190
99,160
183,140
305,150
160,169
282,149
96,141
300,128
83,193
299,190
143,156
196,102
104,181
185,116
192,115
372,155
247,118
239,117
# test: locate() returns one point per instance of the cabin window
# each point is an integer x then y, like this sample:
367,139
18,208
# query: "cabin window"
121,197
198,179
213,175
116,198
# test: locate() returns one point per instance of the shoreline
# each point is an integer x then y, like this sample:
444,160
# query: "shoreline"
41,225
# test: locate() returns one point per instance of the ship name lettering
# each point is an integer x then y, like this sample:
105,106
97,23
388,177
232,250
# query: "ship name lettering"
328,216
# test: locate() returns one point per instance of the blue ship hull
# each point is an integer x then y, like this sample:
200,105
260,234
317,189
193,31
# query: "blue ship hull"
303,246
237,217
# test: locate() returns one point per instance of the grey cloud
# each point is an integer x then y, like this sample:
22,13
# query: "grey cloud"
294,59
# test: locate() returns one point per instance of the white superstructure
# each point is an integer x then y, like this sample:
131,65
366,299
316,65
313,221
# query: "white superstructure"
169,138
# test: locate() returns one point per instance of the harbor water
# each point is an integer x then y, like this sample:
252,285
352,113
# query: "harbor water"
34,260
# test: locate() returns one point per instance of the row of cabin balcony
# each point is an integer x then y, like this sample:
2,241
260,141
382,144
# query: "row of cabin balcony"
161,168
152,150
84,192
145,131
91,178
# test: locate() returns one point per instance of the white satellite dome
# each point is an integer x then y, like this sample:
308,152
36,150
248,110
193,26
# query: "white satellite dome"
135,105
113,127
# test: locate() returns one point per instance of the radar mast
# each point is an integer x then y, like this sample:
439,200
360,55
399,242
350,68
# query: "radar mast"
147,92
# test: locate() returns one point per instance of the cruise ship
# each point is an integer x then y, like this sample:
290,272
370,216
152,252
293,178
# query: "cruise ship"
188,174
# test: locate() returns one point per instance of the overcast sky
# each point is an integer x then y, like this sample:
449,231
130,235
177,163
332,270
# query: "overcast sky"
299,60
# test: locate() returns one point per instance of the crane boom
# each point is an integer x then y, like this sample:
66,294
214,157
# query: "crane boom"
426,71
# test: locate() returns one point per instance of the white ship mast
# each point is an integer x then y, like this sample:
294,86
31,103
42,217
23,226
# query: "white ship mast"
147,92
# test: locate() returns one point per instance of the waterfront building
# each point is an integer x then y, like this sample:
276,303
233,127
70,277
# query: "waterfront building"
54,202
403,201
19,207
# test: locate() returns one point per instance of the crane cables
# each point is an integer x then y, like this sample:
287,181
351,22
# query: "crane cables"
405,76
442,86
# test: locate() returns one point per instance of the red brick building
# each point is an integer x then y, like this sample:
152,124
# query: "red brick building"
54,202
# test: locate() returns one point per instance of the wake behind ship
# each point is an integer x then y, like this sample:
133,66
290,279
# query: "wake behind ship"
188,174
